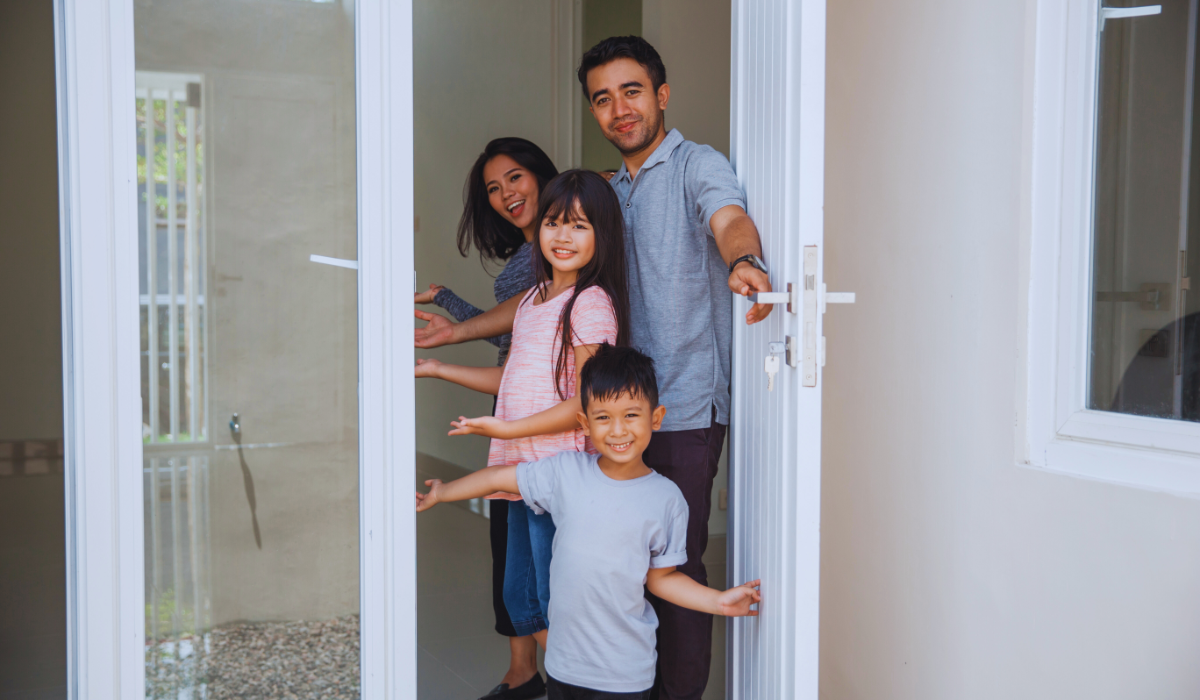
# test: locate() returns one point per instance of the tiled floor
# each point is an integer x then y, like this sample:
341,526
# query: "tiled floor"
461,657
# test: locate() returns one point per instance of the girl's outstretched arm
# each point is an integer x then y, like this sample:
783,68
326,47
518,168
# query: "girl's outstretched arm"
557,419
475,485
481,379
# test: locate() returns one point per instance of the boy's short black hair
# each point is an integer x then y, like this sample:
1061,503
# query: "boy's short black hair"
615,47
613,371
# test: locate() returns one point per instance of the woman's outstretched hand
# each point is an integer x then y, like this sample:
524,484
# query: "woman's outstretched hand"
438,332
428,368
425,501
736,601
487,426
427,297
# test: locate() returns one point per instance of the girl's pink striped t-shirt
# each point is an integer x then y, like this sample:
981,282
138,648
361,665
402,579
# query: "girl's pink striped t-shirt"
528,384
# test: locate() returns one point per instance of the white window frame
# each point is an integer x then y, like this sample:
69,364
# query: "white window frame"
1062,434
102,406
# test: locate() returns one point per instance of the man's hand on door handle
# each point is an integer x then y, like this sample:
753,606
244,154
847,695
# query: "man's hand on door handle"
746,280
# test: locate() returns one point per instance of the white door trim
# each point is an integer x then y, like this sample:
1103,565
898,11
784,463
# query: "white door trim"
777,136
387,388
102,404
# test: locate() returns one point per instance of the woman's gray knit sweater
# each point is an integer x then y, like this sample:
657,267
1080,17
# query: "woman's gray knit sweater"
515,278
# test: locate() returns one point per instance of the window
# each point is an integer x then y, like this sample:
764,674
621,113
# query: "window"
171,231
1114,335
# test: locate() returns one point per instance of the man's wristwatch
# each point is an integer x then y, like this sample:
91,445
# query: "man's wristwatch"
755,262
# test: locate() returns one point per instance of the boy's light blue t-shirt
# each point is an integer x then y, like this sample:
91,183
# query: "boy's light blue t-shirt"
608,535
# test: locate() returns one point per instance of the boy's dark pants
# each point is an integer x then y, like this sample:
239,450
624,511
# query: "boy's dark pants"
688,458
557,690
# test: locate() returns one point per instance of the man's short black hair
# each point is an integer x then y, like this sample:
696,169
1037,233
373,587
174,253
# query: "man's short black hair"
614,371
615,47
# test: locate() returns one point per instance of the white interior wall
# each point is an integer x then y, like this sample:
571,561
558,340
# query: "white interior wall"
948,571
482,70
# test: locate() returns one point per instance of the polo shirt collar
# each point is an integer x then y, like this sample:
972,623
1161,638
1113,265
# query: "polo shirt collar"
660,155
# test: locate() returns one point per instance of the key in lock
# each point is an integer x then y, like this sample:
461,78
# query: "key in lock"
771,365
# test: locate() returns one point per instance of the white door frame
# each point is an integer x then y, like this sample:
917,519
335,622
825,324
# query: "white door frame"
777,147
102,403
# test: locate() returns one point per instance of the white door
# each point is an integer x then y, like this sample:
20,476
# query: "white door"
239,419
778,111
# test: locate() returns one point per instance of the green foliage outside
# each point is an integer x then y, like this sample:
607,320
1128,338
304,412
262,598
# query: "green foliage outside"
160,154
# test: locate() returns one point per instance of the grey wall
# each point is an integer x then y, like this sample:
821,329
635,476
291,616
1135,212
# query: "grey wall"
33,651
948,571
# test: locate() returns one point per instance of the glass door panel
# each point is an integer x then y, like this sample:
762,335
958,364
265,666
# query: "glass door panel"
249,351
1144,357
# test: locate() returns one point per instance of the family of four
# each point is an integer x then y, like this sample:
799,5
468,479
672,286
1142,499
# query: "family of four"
613,319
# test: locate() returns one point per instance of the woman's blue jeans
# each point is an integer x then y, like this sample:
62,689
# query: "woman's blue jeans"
527,568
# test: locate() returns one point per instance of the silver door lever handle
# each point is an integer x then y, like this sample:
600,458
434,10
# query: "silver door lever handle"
771,297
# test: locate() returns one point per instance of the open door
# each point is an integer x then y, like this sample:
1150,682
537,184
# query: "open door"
777,124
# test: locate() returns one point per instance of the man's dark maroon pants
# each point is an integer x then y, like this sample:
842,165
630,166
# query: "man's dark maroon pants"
688,458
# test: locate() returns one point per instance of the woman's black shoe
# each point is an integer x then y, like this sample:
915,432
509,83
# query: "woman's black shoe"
529,690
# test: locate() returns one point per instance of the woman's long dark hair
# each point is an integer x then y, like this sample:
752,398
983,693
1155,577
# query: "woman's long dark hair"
481,225
586,191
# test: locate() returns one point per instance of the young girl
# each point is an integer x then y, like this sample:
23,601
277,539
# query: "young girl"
580,301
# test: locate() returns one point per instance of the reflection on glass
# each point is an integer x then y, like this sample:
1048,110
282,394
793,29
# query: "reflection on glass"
1145,351
171,260
249,355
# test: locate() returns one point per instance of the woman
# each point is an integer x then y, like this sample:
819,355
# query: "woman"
500,219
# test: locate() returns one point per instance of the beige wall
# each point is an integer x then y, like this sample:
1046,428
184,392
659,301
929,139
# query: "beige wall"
948,571
693,38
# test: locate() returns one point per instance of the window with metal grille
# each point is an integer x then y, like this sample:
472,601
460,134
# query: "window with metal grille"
172,256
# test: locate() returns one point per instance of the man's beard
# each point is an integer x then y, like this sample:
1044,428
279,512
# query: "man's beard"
644,135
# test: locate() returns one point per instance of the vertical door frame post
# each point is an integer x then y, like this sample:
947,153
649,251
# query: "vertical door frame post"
776,656
101,395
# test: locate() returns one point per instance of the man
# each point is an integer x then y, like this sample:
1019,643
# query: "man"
689,239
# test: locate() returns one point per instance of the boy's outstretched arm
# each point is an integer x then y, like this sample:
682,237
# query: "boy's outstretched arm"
481,483
676,587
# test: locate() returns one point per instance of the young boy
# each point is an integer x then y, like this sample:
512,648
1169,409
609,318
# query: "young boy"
621,526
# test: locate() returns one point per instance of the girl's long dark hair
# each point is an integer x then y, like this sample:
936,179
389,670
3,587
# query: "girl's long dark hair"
584,190
481,225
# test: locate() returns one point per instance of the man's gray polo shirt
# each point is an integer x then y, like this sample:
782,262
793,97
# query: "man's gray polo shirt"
678,283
